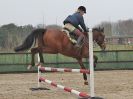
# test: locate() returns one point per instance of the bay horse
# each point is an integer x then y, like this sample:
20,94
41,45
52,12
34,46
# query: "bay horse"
55,41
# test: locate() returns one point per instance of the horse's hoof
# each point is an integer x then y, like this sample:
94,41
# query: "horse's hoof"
29,67
86,83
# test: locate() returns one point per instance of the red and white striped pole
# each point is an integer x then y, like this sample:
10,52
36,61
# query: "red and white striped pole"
80,94
63,70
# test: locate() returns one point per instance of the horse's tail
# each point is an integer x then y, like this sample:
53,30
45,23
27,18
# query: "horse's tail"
30,39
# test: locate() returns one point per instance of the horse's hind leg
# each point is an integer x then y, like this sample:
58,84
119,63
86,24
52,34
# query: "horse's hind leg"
41,58
39,51
33,52
84,74
45,50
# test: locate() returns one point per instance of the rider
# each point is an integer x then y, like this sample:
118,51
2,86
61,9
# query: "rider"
73,21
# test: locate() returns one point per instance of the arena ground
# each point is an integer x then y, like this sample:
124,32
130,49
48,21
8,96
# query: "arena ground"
117,84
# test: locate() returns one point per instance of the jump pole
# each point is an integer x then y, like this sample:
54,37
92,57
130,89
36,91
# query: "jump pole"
38,76
91,64
52,69
67,89
91,76
38,59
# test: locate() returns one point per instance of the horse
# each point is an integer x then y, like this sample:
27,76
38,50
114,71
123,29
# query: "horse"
54,41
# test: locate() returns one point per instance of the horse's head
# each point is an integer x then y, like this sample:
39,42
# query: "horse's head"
99,37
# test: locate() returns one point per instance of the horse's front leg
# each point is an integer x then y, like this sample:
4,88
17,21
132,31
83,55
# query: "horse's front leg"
95,60
84,74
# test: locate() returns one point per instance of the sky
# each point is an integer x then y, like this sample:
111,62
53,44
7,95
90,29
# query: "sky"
23,12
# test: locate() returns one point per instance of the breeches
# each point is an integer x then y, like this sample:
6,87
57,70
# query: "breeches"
71,28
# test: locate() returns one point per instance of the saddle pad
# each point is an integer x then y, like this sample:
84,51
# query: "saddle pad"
69,36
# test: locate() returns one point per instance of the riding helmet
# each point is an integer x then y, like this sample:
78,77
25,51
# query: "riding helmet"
82,8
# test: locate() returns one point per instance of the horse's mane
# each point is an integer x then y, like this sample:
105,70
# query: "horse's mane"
99,29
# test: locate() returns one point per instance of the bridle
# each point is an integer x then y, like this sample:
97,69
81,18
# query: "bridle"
86,42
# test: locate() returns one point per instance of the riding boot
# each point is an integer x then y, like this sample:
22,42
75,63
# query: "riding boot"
79,41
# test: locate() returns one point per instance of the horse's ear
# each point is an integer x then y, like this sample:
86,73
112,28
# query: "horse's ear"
99,28
102,29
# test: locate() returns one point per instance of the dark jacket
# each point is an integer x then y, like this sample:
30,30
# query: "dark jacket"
76,19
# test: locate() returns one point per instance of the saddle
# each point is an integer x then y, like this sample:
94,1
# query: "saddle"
72,37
